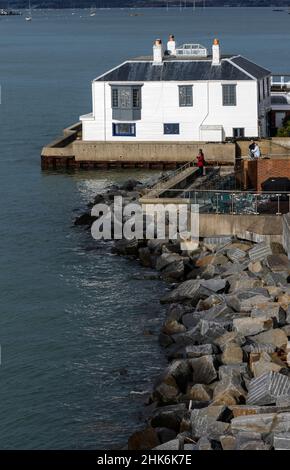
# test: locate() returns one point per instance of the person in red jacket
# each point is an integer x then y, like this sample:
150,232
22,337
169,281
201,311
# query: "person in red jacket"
200,162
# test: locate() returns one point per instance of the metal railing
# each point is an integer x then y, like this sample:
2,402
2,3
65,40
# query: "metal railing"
194,50
280,81
236,202
170,176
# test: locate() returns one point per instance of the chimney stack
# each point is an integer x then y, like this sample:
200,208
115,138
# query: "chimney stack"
157,52
216,53
171,47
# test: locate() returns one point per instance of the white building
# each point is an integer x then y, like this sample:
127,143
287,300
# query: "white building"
182,94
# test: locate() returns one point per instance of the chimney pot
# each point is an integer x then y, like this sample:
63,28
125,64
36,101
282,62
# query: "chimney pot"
157,52
216,53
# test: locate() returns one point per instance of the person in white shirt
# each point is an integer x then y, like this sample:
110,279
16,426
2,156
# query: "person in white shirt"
255,151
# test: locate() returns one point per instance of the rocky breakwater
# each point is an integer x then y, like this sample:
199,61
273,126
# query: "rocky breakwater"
227,385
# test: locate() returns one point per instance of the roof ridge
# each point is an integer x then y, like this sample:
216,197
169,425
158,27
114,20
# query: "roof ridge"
252,62
241,68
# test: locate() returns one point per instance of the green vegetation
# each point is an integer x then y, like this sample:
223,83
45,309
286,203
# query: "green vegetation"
285,130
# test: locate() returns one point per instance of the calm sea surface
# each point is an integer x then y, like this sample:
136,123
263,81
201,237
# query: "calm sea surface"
72,316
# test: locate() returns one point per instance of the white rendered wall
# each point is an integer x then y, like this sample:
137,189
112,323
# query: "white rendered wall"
160,104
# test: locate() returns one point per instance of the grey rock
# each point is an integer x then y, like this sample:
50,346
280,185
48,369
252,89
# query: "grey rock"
215,285
282,422
207,422
215,243
234,371
229,337
262,423
229,391
165,259
180,370
173,271
170,445
283,401
276,336
232,354
126,247
190,320
278,263
247,440
173,326
186,291
199,392
175,312
191,336
257,423
169,416
228,442
282,441
275,279
165,434
204,444
197,351
248,326
233,268
236,255
265,389
245,302
242,281
288,315
286,330
211,330
254,347
269,310
166,393
156,245
203,370
260,251
145,256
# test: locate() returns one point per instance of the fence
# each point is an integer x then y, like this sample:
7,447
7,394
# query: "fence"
236,202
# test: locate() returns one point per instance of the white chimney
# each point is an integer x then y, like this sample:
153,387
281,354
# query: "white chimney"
171,47
216,53
157,52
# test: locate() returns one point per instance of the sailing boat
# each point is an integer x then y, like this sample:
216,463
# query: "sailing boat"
93,11
29,16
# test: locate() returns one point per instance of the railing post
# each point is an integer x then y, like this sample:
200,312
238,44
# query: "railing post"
233,195
256,204
278,212
217,203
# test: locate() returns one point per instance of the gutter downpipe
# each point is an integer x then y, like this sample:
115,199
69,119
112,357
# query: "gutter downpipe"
207,113
105,114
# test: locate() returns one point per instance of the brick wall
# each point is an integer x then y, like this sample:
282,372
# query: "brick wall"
255,172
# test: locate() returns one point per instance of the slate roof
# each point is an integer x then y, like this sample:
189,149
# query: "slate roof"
233,68
252,68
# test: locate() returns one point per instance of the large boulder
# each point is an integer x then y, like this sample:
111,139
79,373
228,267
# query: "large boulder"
232,354
248,326
143,440
169,416
229,391
199,392
173,271
186,292
265,390
203,370
276,336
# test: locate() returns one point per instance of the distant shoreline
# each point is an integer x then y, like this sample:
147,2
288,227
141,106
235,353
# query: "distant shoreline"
158,7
